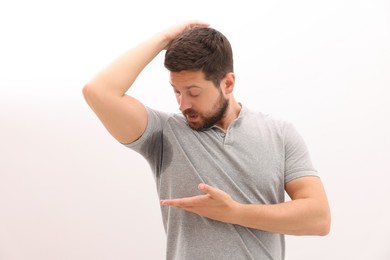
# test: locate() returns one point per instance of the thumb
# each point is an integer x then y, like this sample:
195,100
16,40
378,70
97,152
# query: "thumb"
208,189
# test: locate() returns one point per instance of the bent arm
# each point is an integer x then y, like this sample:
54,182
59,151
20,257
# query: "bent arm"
124,116
307,213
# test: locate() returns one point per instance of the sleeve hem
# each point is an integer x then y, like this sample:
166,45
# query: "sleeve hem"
300,174
144,135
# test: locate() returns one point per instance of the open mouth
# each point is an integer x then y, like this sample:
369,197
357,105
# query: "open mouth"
192,118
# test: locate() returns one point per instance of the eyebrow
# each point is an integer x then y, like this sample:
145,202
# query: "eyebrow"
187,87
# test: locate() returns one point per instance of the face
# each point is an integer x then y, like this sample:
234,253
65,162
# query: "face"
203,104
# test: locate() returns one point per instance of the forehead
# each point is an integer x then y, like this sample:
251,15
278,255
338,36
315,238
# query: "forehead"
188,79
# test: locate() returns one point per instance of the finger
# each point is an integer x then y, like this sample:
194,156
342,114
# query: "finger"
196,23
182,202
212,191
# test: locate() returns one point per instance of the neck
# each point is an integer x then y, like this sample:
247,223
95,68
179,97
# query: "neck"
231,114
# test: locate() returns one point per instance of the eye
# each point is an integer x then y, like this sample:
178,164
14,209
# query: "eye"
194,92
177,93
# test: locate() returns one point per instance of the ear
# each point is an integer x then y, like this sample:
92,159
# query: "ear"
229,81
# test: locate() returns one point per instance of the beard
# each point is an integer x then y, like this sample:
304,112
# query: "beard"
207,121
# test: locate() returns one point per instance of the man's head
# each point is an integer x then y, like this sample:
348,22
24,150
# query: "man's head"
201,64
201,49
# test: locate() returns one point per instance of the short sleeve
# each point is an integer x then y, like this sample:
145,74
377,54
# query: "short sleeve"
150,143
297,159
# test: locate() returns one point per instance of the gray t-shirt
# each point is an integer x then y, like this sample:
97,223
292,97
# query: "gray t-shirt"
252,162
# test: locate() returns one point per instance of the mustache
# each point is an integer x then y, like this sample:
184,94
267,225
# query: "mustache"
190,112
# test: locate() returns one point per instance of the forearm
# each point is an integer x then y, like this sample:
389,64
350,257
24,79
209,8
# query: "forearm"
297,217
121,73
123,115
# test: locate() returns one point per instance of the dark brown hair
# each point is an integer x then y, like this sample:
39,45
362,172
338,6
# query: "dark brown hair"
201,48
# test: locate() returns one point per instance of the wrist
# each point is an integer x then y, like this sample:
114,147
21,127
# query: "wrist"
235,213
164,38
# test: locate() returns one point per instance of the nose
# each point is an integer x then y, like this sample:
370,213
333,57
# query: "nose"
184,103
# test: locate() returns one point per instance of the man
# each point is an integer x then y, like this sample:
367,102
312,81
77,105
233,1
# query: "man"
221,169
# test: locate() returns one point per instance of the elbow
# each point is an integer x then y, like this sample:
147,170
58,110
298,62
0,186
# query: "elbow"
317,226
323,227
326,228
91,94
87,91
323,221
323,230
93,91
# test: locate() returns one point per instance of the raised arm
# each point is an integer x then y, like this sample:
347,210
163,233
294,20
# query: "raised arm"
124,116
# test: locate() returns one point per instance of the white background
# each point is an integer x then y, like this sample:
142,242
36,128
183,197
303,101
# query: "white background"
68,190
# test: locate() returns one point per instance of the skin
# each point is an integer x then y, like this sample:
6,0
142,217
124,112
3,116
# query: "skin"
306,214
126,119
201,102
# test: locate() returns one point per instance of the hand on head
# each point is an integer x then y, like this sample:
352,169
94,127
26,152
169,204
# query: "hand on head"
172,32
